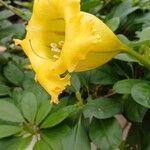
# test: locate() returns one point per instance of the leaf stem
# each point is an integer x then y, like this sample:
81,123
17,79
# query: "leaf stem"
14,10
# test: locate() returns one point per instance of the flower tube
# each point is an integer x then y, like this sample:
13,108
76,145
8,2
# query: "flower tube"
60,38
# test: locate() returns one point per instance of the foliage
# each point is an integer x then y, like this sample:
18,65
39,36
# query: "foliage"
88,109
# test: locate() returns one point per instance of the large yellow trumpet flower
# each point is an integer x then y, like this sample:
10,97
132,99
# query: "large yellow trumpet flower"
60,38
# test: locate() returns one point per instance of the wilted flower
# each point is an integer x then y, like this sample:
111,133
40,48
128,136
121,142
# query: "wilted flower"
60,38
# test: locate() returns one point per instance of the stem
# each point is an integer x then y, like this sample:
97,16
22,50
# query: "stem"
139,57
78,96
14,10
32,143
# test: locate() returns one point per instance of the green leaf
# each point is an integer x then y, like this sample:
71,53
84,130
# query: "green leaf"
102,108
125,57
144,19
113,23
43,110
58,116
141,94
125,86
30,85
123,39
41,145
16,96
16,30
105,75
88,5
8,130
29,106
20,144
9,112
75,82
136,114
106,134
13,73
144,34
124,9
62,103
4,90
56,135
5,14
76,139
14,143
5,143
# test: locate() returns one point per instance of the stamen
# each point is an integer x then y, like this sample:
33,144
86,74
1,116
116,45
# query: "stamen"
53,45
61,43
55,56
55,49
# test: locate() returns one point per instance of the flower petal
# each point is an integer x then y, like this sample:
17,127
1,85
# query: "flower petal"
52,83
46,75
88,42
94,60
46,26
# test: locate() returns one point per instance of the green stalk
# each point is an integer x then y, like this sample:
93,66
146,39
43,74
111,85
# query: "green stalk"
138,57
78,96
14,10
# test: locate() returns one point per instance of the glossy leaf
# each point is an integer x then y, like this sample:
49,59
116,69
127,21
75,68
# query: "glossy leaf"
14,74
105,75
58,116
56,134
76,139
144,34
43,110
134,111
10,112
41,145
29,106
102,108
8,130
124,9
20,144
4,90
63,102
90,4
113,23
106,134
141,94
16,30
75,82
125,86
5,14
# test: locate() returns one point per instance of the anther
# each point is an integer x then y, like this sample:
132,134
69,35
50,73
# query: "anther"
53,45
55,49
55,56
61,43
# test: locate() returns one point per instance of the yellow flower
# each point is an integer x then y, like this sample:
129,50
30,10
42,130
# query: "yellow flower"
60,38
